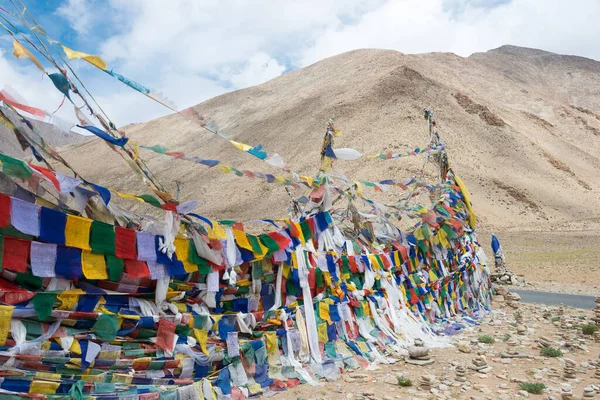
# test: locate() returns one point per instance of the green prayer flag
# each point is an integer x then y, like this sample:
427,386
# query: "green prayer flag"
76,391
28,281
345,265
115,267
306,232
330,350
15,168
269,243
203,265
106,327
43,303
102,238
256,249
150,200
157,148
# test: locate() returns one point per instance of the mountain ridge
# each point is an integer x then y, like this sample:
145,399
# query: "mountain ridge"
522,132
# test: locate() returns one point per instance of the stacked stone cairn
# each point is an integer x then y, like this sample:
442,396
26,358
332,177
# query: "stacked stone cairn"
426,382
461,373
419,354
589,392
512,300
566,392
480,365
569,369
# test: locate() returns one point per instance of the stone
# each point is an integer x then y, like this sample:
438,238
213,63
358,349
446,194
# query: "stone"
463,347
523,393
419,362
417,352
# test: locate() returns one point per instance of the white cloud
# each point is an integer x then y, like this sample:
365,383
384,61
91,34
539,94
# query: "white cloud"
79,14
193,50
259,68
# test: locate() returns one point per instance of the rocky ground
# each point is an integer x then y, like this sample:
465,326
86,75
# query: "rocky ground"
498,370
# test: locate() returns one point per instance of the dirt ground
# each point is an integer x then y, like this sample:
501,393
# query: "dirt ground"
557,261
503,382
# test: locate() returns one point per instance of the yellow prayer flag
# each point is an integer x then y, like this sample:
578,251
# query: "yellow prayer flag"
322,333
93,265
419,234
216,231
241,239
397,260
21,52
76,55
224,168
324,312
48,376
5,316
43,387
363,346
271,342
75,347
467,196
241,146
443,238
365,307
432,277
122,378
202,338
69,298
77,232
182,250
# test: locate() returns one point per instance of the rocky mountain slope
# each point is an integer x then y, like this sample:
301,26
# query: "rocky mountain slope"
522,128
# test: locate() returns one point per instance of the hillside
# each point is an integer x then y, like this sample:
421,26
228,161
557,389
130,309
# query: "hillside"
522,127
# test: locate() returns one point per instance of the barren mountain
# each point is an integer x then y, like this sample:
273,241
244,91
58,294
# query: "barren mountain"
522,128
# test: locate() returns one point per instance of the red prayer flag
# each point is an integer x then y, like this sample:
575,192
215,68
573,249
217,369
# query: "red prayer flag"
386,261
311,225
15,255
136,269
282,240
166,335
125,243
353,265
169,207
48,174
4,210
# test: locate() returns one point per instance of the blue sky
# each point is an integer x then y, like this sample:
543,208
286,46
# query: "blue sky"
193,50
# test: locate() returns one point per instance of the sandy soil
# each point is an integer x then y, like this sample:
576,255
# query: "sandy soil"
504,379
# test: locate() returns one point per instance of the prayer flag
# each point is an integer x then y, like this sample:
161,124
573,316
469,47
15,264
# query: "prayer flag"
25,217
125,244
43,259
102,238
136,269
93,265
68,262
77,232
52,225
15,254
